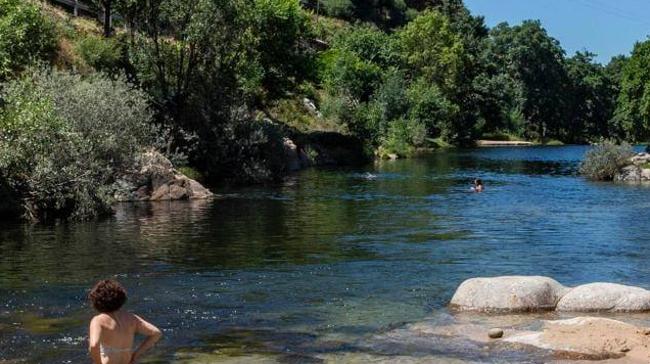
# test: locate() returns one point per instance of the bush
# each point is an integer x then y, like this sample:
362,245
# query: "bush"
243,150
64,138
102,54
605,159
345,72
338,8
191,173
403,137
25,36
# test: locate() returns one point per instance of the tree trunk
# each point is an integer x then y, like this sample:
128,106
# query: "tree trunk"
107,18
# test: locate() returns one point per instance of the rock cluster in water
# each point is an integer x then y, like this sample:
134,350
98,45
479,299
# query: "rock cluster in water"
578,338
637,171
535,293
156,179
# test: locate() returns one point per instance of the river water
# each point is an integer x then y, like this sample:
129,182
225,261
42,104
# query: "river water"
307,270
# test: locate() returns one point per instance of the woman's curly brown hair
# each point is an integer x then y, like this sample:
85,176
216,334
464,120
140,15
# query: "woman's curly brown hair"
107,296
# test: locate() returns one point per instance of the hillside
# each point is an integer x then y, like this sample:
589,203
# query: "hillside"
247,91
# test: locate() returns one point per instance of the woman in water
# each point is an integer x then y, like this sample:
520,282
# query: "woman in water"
113,330
478,186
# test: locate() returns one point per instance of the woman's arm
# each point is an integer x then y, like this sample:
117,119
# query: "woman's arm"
94,334
147,329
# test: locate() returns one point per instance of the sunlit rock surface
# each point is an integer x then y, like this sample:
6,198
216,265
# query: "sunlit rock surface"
637,171
589,338
154,178
508,294
605,297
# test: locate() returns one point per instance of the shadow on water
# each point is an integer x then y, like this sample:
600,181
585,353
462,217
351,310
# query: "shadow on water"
327,266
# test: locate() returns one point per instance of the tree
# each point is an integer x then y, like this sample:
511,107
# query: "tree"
435,53
106,7
633,111
280,27
25,36
535,62
591,101
431,49
64,139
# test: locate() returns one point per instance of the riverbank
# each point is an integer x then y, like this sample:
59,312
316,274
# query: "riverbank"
503,143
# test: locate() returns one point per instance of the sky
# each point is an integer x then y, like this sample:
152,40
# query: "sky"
605,27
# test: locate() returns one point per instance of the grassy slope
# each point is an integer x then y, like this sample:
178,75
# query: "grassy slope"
70,30
290,111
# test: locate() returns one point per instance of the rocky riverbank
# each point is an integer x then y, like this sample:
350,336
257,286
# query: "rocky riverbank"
638,169
564,337
154,178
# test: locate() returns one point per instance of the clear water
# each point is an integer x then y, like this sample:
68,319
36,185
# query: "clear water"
315,266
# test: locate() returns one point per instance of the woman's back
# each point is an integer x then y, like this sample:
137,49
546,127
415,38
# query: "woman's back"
116,333
112,331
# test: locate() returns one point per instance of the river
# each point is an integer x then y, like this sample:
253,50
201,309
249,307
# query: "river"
307,269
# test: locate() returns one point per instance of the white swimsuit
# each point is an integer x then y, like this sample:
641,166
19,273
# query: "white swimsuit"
106,351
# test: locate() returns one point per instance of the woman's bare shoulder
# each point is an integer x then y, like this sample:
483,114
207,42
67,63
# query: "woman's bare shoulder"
100,319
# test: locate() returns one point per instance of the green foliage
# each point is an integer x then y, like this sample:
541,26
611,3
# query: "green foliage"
208,63
279,27
345,72
191,173
430,107
591,99
431,49
633,109
102,54
63,138
369,43
534,63
338,8
605,159
402,137
26,36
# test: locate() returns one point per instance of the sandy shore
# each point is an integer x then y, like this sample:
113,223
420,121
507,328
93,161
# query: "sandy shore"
502,143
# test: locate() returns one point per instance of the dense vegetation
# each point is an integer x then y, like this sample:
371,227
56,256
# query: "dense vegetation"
218,83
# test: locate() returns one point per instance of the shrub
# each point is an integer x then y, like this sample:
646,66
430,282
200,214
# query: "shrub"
241,149
338,8
345,72
605,159
191,173
63,139
403,137
102,54
25,36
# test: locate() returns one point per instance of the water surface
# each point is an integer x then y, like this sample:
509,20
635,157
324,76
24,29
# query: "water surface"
314,267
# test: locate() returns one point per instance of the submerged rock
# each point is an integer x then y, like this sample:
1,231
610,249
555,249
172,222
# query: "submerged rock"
508,294
605,297
155,179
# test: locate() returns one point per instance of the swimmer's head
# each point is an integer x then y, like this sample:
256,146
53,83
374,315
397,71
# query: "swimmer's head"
107,296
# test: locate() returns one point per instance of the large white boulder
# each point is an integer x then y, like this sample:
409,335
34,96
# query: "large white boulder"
605,297
508,294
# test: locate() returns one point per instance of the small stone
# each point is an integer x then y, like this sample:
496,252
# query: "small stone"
646,331
625,349
495,333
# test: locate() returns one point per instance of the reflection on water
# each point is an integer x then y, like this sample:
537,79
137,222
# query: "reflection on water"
318,268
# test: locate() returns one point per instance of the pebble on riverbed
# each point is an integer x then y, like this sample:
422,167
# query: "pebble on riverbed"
495,333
